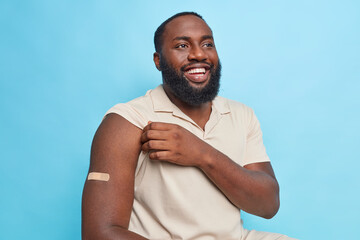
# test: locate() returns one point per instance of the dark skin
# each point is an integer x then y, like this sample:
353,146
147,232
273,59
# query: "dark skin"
107,206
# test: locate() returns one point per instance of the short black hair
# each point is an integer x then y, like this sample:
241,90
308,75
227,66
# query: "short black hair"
160,30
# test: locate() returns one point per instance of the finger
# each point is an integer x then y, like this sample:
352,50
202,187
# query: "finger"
158,126
154,145
160,155
154,135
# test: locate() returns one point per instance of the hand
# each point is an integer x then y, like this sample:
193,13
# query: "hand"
172,143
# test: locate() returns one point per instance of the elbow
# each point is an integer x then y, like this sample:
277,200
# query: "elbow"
272,203
266,208
269,209
272,209
273,206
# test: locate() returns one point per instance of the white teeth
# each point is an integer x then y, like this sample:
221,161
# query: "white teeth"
197,70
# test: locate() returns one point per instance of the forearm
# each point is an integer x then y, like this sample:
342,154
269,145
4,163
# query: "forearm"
255,192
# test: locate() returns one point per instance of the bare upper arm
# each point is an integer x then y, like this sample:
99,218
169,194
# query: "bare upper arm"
115,150
264,167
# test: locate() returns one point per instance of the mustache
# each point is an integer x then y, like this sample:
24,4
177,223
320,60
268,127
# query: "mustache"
211,66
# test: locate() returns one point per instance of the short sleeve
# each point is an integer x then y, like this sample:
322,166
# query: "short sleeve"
255,150
129,113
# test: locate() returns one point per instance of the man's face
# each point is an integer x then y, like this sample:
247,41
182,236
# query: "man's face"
189,62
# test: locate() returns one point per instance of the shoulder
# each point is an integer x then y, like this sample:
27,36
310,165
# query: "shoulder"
136,111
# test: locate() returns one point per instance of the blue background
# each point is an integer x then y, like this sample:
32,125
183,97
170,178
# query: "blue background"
64,63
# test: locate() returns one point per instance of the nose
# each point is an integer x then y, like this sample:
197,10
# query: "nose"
197,53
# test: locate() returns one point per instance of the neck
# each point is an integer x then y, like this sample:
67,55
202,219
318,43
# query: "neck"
200,114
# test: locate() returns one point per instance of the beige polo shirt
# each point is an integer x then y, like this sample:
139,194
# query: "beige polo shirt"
176,202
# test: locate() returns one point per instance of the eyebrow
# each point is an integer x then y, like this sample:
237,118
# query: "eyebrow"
207,37
186,38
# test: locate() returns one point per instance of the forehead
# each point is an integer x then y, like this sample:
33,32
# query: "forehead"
188,25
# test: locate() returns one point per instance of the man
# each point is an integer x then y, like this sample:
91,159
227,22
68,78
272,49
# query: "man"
179,162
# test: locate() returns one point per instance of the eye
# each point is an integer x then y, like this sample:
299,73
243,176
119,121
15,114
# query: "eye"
208,45
183,45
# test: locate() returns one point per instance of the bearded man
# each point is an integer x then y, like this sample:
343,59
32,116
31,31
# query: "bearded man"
179,162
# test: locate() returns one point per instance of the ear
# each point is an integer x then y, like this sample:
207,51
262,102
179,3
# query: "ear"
157,60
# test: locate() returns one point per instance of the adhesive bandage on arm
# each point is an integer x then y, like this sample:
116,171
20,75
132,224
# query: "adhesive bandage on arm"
98,176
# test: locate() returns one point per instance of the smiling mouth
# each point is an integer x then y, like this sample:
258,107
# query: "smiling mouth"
197,75
196,71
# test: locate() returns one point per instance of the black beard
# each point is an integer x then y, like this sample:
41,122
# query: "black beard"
181,88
